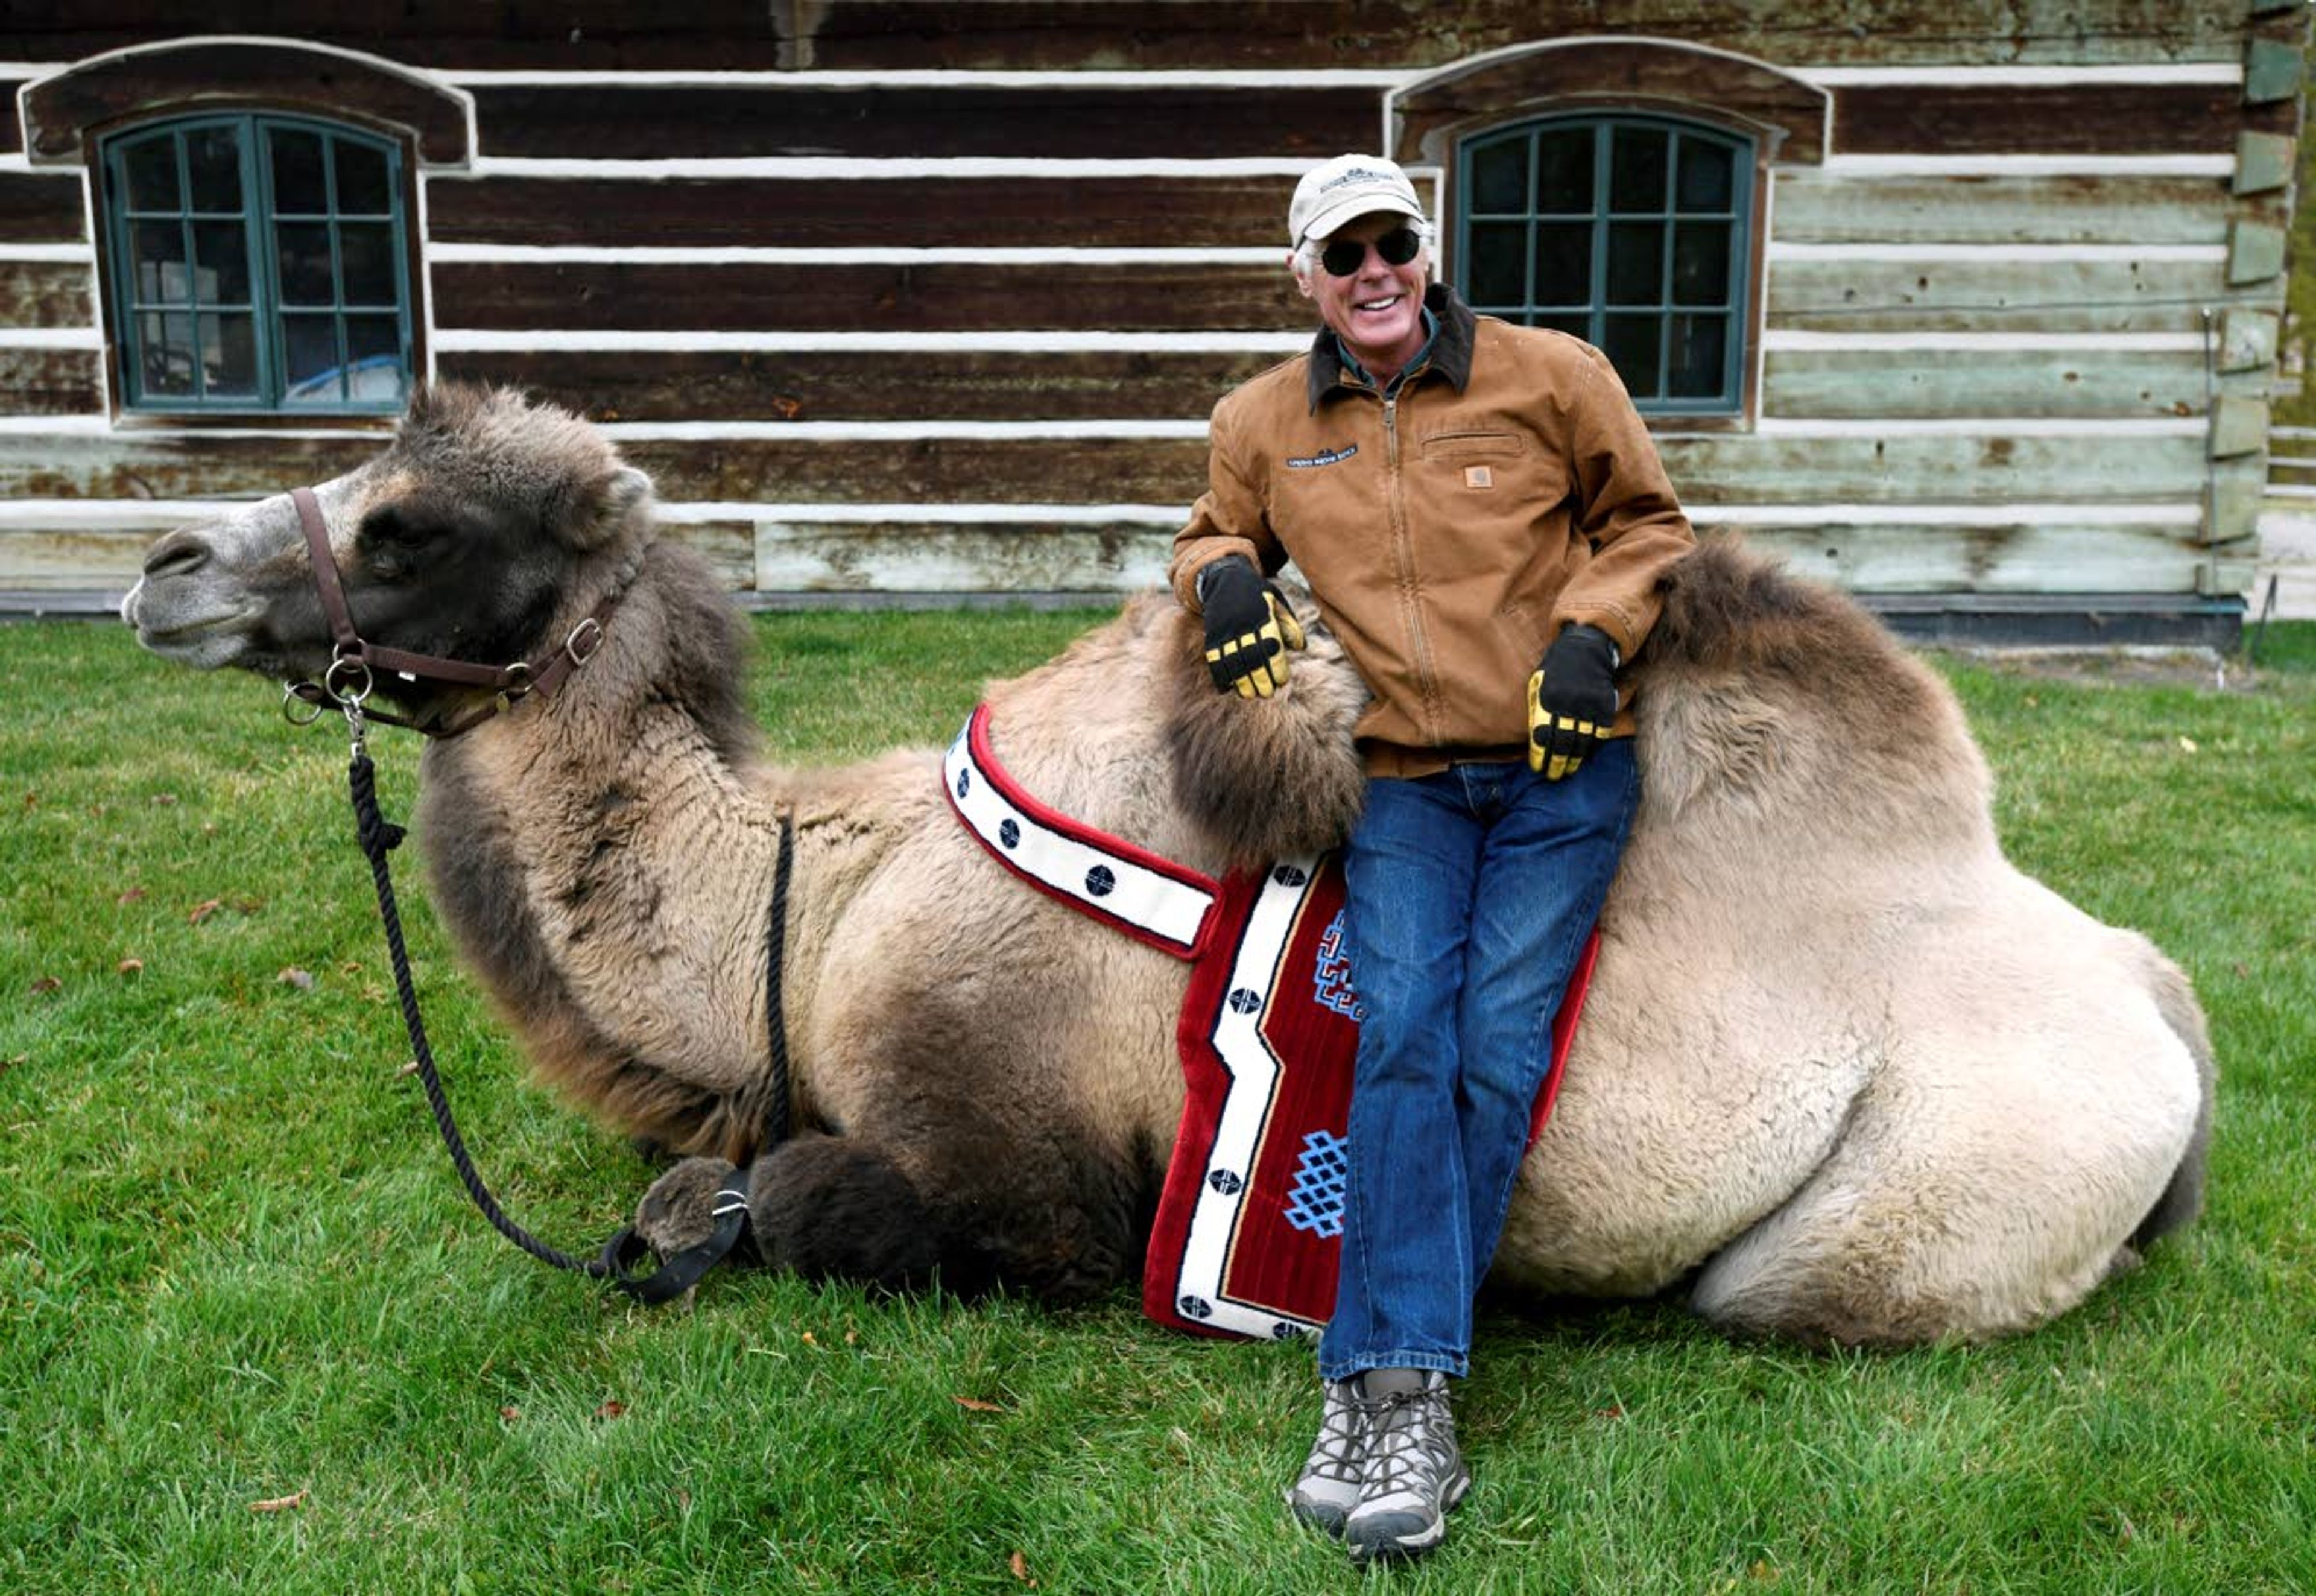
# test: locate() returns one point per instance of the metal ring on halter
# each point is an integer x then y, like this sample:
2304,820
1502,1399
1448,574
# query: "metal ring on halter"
592,631
330,680
519,682
315,707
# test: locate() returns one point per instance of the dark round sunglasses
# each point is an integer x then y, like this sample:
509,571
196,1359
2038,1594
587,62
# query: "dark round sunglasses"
1345,256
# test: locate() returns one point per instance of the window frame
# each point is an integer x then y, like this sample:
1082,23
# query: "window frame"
259,218
1739,311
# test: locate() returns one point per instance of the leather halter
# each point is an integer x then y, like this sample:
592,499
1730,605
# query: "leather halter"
353,661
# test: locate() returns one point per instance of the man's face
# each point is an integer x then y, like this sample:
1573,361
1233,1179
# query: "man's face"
1377,311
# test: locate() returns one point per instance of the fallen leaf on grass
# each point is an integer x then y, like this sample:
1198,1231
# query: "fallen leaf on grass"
612,1410
2186,744
8,1063
45,985
293,977
135,894
162,800
130,967
511,1413
279,1504
202,911
973,1405
1021,1567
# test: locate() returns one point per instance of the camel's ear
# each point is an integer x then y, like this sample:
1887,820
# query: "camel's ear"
601,515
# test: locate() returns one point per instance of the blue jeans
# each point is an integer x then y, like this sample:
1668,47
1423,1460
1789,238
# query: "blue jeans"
1469,896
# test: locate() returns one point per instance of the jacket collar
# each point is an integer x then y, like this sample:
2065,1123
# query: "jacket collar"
1450,356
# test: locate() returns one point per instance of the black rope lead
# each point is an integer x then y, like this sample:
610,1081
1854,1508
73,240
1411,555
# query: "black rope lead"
378,836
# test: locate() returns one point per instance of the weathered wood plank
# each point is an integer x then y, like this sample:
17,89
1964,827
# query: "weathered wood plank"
42,208
53,559
2104,118
1828,383
46,294
907,212
741,297
915,557
1152,34
646,385
1811,207
654,122
2052,557
12,127
1992,467
51,382
1843,294
748,471
128,465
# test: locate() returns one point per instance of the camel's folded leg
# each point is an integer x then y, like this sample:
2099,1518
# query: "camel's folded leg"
846,1207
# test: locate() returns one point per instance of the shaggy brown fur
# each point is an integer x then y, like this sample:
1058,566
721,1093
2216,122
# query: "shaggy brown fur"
1843,1069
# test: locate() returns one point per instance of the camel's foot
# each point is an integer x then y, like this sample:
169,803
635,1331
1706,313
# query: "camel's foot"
679,1211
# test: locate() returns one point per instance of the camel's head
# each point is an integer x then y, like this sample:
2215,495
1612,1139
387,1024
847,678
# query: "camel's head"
462,541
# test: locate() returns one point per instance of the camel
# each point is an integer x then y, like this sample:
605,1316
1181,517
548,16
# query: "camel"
1846,1075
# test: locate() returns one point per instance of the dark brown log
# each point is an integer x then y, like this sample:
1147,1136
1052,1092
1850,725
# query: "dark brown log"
2104,118
643,384
42,208
51,382
649,121
907,212
741,297
46,294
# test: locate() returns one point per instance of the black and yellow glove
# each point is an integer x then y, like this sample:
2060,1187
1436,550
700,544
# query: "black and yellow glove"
1250,627
1572,701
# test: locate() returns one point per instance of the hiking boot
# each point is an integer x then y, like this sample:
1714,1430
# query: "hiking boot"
1328,1488
1414,1473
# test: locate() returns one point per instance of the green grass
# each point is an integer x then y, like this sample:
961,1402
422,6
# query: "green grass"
235,1266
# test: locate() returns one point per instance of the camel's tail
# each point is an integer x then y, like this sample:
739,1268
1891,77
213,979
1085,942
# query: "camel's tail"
2183,1197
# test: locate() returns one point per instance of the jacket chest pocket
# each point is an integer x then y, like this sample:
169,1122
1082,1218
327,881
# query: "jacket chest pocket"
1478,461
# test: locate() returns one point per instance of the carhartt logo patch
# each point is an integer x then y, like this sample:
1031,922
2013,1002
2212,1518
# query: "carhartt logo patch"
1478,477
1325,456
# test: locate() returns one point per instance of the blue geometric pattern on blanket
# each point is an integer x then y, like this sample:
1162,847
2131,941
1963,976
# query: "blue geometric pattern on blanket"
1315,1201
1331,975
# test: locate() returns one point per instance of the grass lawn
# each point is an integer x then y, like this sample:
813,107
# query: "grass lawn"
256,1340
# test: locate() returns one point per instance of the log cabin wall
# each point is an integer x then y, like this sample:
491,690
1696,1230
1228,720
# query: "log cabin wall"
923,302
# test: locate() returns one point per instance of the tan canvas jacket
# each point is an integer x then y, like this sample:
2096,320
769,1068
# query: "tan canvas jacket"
1506,488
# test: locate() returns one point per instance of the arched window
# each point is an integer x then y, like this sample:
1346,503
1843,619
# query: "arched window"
1632,232
258,263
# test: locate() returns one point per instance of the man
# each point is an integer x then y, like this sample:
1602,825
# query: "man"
1483,520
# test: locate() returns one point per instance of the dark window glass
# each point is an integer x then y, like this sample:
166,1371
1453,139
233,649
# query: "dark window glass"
1700,263
374,360
1636,169
1564,171
221,263
1499,178
363,188
1699,356
1633,343
1495,278
213,163
151,167
1636,263
165,360
310,358
158,251
366,261
229,357
1564,263
300,187
1707,176
1575,326
302,258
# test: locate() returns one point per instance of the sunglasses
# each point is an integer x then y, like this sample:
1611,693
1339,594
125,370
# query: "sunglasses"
1345,256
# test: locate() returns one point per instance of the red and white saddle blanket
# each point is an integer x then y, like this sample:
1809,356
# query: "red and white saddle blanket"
1250,1221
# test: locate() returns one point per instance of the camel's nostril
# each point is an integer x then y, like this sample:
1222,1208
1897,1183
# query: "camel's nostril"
177,554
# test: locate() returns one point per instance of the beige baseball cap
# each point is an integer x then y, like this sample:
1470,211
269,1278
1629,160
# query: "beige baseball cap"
1345,189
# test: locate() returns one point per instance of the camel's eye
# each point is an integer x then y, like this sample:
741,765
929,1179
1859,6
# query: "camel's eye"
393,537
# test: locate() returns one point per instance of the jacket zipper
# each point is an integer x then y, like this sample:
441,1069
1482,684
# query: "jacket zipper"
1427,679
